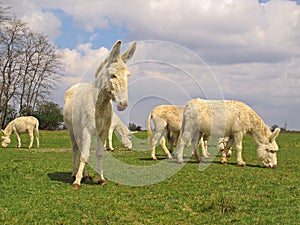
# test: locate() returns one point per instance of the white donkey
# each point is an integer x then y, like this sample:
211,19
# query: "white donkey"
88,109
231,119
166,119
21,125
116,124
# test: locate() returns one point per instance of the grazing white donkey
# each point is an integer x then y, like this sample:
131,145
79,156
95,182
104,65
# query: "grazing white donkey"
166,119
88,109
228,118
21,125
116,124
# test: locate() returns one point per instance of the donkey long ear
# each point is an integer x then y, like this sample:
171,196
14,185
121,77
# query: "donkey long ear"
126,56
115,52
274,134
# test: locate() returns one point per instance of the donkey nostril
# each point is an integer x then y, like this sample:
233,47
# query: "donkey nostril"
122,105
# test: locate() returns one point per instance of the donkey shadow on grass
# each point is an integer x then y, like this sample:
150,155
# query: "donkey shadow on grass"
64,177
191,160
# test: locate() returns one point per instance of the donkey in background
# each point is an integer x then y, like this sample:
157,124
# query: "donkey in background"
21,125
124,132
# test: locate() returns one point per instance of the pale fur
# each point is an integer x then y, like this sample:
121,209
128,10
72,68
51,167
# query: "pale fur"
228,118
124,132
88,110
24,124
167,119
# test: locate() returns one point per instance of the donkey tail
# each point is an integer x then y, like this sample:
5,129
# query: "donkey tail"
149,130
37,135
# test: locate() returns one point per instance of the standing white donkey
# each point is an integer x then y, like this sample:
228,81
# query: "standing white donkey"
88,110
21,125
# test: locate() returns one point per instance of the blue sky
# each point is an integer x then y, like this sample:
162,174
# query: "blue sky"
72,35
251,47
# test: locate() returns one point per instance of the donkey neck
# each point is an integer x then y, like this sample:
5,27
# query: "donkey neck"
8,129
260,132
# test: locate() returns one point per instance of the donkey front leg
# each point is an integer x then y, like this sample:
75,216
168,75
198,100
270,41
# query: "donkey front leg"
18,139
79,174
185,139
225,146
99,156
238,138
110,135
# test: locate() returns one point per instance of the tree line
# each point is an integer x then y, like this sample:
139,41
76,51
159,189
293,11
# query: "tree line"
30,66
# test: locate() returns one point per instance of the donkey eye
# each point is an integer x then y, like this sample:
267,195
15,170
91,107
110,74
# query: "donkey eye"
113,76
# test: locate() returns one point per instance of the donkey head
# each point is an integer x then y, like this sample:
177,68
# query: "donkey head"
267,152
5,139
117,74
126,140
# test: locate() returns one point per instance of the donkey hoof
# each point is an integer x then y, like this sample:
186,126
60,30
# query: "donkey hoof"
75,186
224,161
180,161
102,182
243,164
170,157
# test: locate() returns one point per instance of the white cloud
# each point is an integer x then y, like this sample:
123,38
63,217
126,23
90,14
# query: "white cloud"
46,23
219,30
81,60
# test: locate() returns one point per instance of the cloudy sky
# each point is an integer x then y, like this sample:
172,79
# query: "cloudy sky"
247,50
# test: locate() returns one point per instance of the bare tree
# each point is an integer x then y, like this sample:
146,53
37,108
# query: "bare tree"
11,36
29,66
41,71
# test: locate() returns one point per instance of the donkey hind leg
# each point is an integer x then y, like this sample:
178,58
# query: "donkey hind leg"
37,137
164,147
160,134
173,142
155,140
31,139
195,141
184,140
203,144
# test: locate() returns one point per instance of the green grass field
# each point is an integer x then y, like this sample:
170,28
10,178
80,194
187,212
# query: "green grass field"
35,188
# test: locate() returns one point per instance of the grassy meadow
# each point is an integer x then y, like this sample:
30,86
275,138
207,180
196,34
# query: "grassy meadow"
35,188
